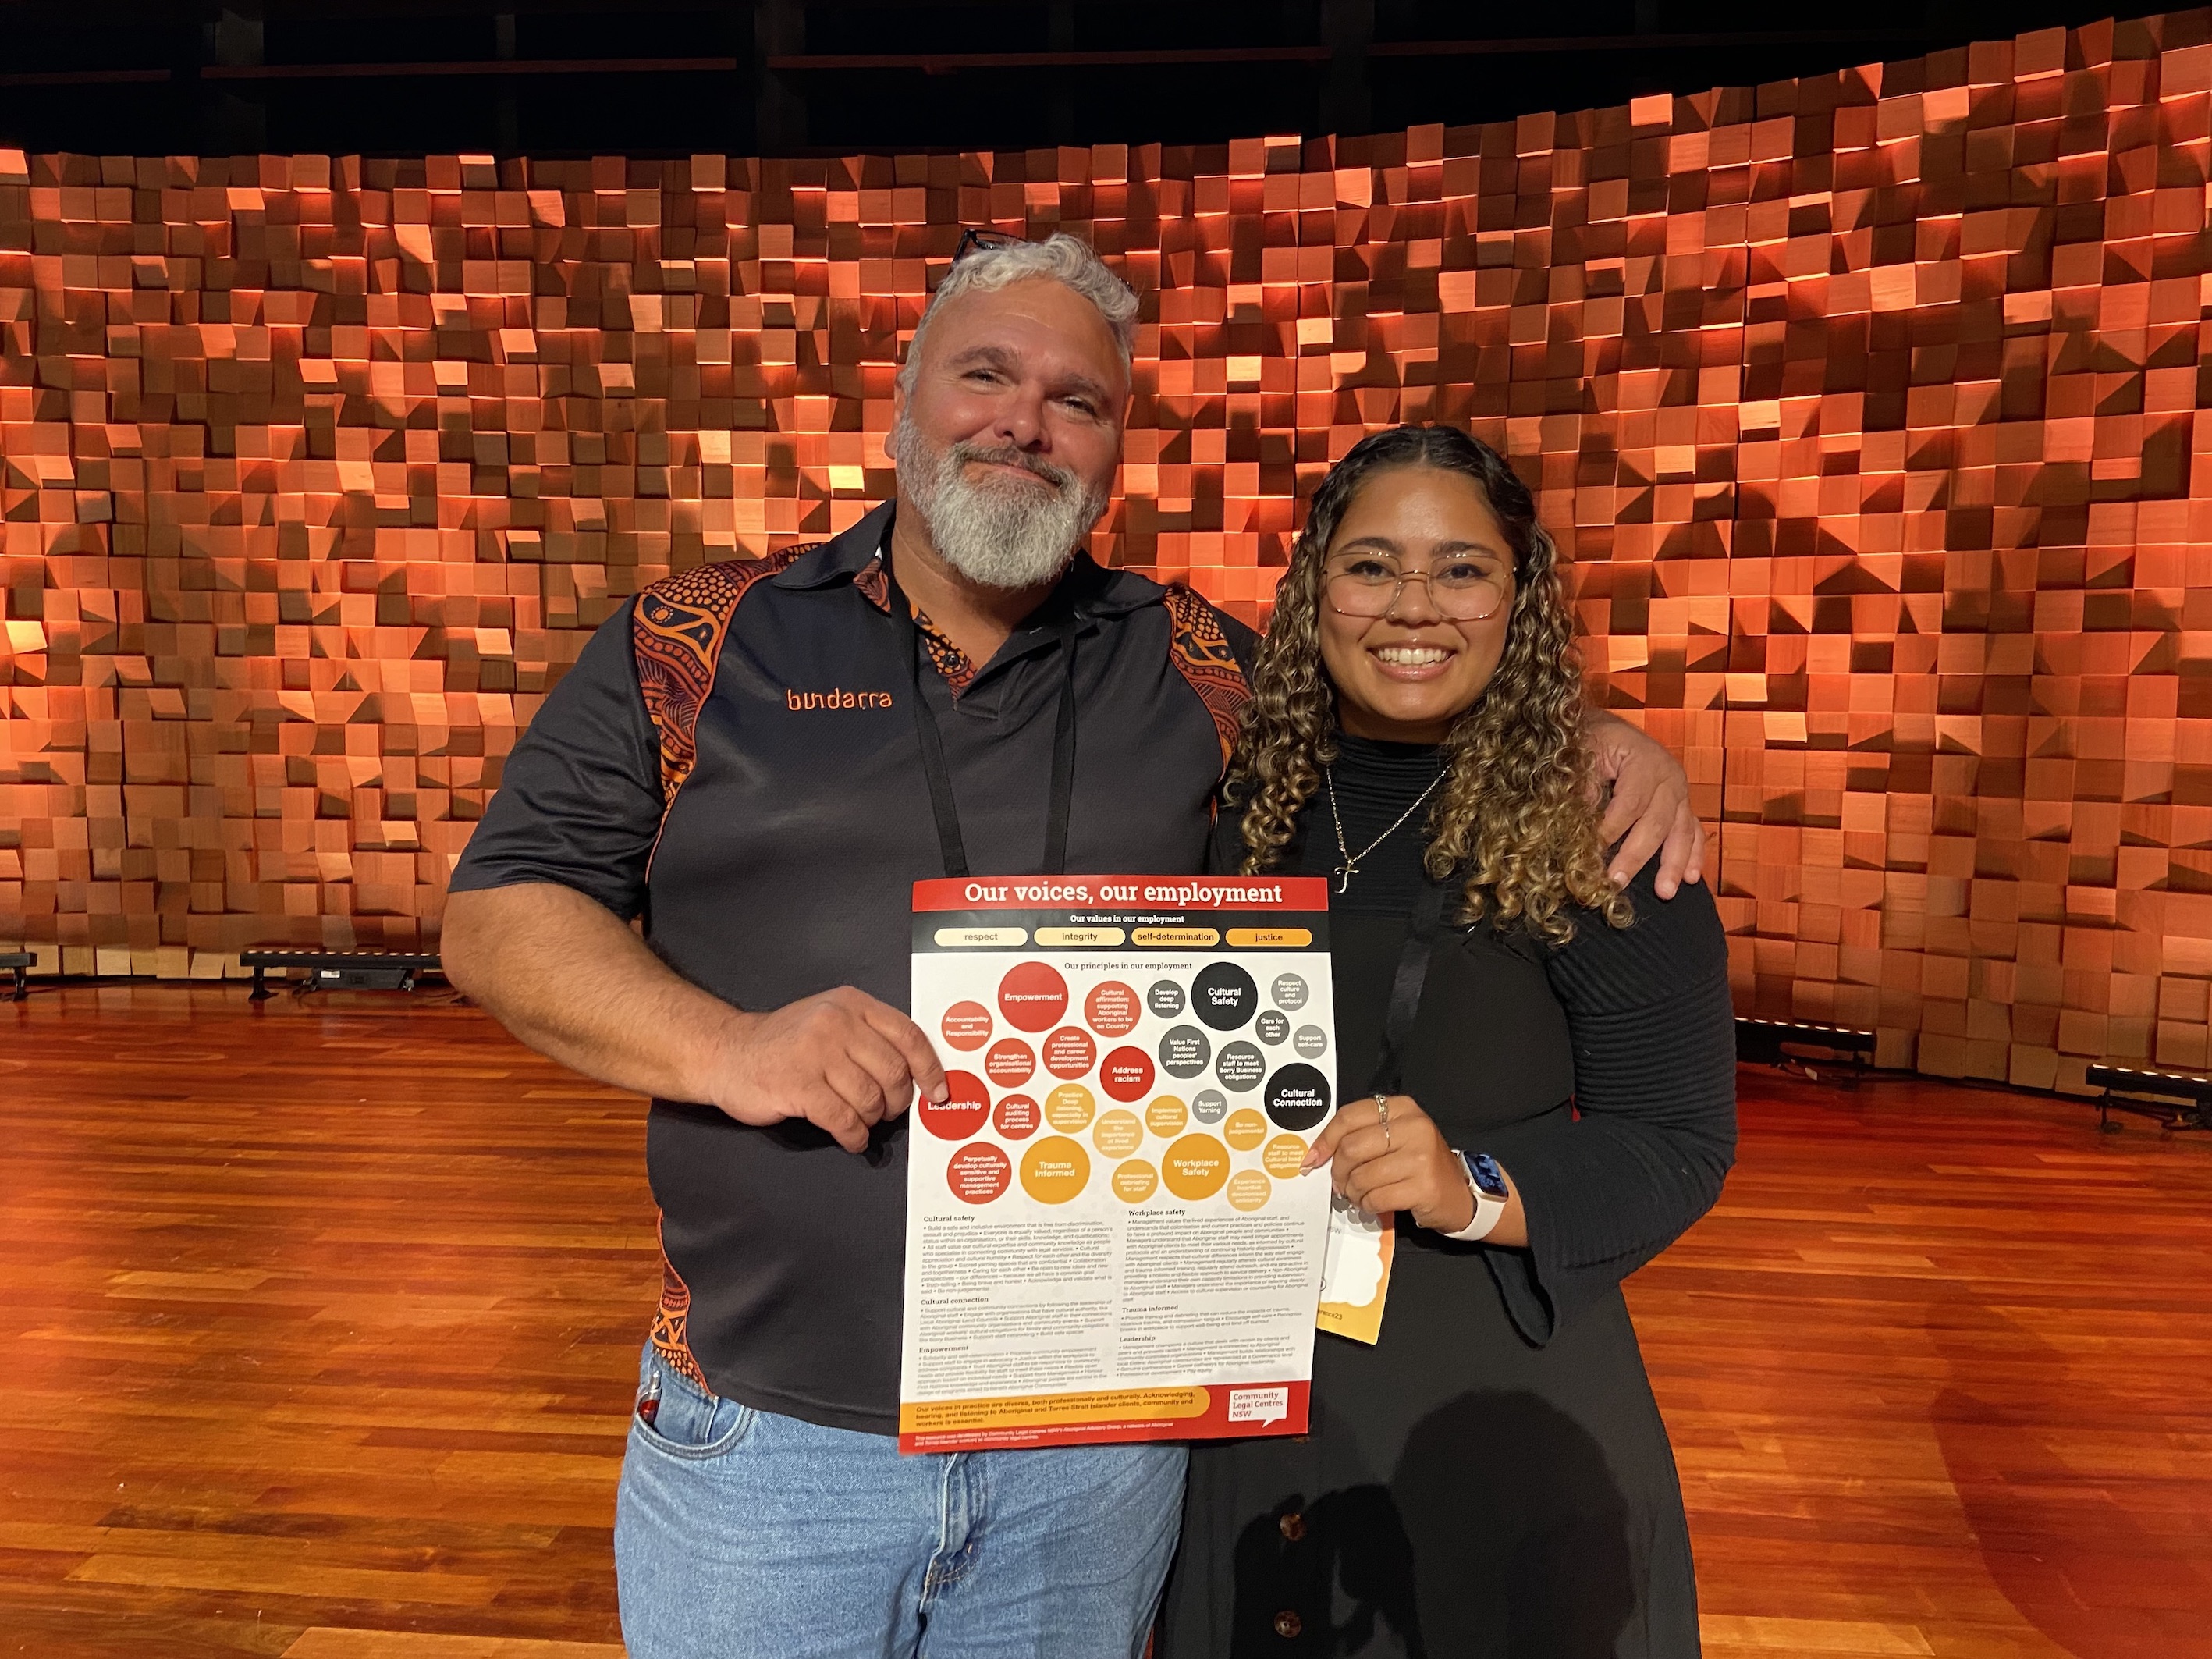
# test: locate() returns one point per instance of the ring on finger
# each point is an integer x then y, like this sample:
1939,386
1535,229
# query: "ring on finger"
1382,1112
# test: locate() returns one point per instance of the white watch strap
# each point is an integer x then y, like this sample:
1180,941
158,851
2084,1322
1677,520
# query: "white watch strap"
1487,1210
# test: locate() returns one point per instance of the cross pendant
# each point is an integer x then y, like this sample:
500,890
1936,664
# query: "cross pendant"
1344,873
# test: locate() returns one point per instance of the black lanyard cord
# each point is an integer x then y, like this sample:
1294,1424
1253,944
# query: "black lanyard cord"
942,804
1405,988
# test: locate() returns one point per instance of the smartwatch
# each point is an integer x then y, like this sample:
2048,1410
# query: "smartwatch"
1487,1183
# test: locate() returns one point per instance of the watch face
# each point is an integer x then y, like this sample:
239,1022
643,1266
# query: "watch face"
1489,1179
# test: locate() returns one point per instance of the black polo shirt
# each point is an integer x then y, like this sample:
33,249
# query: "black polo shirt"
784,868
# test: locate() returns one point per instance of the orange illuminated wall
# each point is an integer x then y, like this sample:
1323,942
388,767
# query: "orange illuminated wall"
1867,403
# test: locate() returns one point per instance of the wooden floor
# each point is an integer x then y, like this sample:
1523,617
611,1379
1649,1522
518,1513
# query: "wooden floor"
318,1326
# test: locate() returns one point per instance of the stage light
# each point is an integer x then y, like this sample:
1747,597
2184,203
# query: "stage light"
339,971
2176,1101
1769,1041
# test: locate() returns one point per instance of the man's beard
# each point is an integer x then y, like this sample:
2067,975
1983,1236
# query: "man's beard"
1001,532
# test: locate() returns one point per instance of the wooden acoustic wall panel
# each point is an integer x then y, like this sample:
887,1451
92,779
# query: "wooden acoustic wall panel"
1868,404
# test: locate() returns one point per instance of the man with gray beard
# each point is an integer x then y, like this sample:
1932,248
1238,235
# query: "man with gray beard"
695,882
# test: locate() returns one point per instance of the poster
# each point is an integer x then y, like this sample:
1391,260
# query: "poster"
1108,1237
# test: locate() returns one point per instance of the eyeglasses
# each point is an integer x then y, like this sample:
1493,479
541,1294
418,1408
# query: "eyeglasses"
1460,589
972,239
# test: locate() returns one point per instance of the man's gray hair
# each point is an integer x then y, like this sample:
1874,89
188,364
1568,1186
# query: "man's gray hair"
1061,256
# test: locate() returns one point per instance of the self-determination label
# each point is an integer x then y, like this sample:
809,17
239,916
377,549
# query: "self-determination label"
1108,1237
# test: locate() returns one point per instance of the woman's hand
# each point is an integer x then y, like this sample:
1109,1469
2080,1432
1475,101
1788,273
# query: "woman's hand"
1387,1160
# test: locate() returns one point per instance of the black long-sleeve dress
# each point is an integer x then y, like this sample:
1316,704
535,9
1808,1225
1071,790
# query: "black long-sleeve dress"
1492,1479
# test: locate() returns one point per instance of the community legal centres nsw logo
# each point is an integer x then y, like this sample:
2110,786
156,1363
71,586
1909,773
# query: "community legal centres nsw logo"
805,702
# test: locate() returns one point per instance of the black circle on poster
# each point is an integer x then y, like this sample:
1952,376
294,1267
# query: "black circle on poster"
1296,1097
1222,995
1240,1068
1165,997
1184,1051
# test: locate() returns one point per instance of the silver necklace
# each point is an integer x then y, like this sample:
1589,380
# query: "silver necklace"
1345,871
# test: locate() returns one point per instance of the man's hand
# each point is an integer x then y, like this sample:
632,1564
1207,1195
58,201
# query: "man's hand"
842,1061
1403,1166
1650,806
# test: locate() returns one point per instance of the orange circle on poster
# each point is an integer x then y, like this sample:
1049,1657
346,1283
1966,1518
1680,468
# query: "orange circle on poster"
1069,1107
1069,1052
978,1174
1284,1155
1118,1134
1127,1074
966,1026
1010,1063
1166,1117
1249,1190
1194,1167
1112,1008
1032,996
1135,1182
1245,1130
1054,1170
1015,1116
965,1106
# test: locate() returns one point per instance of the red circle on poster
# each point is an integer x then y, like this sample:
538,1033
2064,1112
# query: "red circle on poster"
966,1026
1112,1008
964,1110
1069,1052
978,1174
1127,1074
1010,1063
1032,996
1016,1117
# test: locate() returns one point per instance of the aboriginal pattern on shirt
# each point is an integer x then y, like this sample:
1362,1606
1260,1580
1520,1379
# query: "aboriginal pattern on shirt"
948,659
671,1324
678,629
1202,655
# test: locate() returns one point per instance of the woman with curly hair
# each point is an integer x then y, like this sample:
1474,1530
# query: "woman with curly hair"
1539,1073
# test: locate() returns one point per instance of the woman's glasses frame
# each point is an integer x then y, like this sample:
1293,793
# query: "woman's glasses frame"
972,239
1337,586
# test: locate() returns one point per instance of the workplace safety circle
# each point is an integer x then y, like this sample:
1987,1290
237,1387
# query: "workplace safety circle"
1117,1134
1069,1052
1297,1096
1016,1116
1054,1170
1111,1008
1127,1074
966,1104
1032,997
966,1026
978,1174
1222,995
1194,1167
1010,1064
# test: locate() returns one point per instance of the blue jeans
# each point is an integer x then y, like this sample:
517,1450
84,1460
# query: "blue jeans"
743,1535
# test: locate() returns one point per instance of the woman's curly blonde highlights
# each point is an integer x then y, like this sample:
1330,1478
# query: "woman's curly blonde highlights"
1515,813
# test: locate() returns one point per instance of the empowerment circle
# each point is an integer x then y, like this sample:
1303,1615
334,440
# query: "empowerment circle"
1297,1097
1224,996
1032,997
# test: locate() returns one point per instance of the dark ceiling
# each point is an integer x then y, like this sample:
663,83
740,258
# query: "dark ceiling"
566,77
